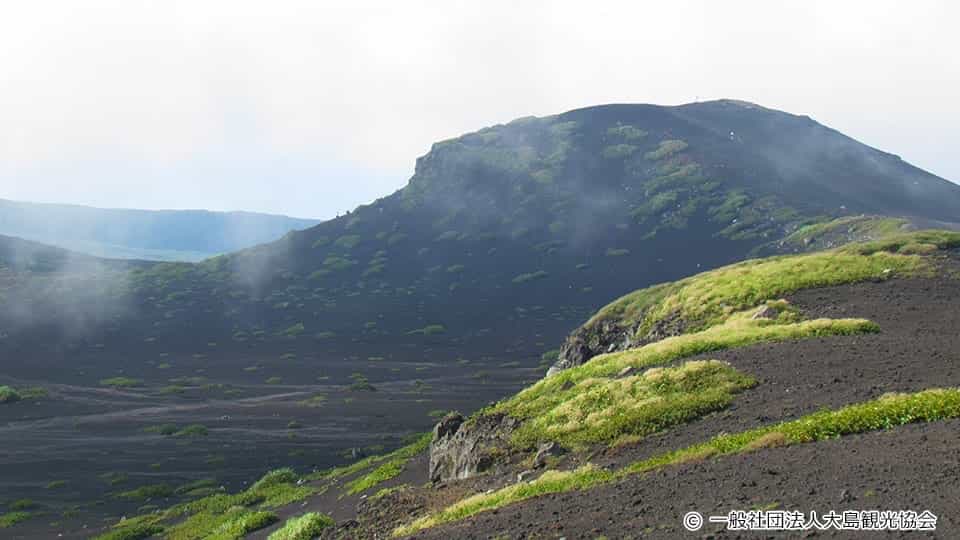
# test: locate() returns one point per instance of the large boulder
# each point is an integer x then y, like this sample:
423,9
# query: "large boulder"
461,449
588,341
608,336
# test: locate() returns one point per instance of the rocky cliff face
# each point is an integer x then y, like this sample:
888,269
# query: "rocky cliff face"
608,336
463,449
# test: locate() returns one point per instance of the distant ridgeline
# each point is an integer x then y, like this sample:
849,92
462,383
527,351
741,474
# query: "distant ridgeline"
519,231
175,235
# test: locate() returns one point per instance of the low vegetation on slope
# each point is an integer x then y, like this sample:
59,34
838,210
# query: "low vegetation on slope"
305,527
884,413
601,409
707,299
832,233
539,404
230,516
632,393
627,394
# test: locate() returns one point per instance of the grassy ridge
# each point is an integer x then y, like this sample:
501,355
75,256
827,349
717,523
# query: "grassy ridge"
706,299
549,395
883,413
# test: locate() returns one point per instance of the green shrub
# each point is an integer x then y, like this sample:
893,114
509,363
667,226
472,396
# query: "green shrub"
243,524
193,430
132,529
305,527
349,241
9,395
12,518
666,149
550,356
627,132
618,151
429,330
274,477
121,382
533,276
162,429
143,493
22,504
294,330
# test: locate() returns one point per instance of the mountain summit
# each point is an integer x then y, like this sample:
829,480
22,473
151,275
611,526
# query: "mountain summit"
523,229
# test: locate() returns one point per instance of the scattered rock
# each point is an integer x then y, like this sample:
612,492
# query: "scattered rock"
524,475
766,312
546,450
628,371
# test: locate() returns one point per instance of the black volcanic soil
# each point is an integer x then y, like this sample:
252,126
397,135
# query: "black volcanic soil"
79,433
913,467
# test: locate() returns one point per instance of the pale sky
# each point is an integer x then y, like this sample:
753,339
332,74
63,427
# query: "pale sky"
309,108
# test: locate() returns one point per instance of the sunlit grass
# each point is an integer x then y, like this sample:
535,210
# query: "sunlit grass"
739,331
395,463
305,527
602,409
706,299
883,413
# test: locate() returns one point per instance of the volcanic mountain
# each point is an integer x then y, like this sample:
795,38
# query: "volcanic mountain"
454,291
512,231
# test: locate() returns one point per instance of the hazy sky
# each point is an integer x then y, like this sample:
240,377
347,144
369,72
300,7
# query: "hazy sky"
310,108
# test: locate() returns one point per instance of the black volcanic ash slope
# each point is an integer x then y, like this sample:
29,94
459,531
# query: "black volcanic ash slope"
525,228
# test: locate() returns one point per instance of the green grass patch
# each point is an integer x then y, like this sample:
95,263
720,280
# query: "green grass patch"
143,493
233,524
394,464
549,482
885,412
12,518
305,527
666,149
388,491
193,430
162,429
532,276
866,227
219,515
132,529
121,382
604,409
9,395
23,504
548,394
314,401
429,330
707,299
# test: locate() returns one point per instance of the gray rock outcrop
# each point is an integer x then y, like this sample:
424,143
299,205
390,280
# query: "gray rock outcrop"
462,449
